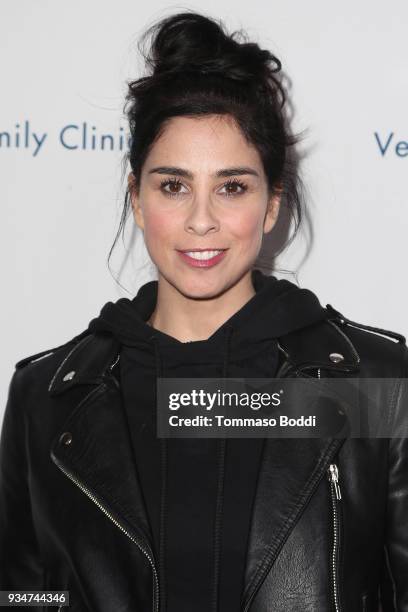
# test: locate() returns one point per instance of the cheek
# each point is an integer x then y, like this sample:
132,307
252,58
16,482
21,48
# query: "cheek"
160,229
247,225
155,224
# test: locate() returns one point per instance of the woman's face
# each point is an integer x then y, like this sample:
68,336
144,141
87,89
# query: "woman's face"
203,187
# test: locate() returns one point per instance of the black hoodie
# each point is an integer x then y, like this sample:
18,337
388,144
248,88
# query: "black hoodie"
199,493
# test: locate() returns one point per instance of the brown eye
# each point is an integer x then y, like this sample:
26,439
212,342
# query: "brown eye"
235,187
173,187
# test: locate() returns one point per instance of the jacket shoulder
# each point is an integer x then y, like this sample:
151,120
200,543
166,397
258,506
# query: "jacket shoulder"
85,359
387,333
58,350
376,346
32,374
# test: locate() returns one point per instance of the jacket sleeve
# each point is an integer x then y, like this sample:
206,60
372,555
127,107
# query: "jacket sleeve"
20,562
395,566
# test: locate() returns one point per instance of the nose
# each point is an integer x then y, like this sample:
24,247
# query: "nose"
201,219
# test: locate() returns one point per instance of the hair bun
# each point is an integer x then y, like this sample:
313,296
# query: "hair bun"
189,42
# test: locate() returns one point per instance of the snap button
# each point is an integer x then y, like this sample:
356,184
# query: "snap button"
69,376
65,438
336,357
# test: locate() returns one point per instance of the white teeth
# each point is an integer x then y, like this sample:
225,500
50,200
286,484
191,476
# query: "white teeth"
202,254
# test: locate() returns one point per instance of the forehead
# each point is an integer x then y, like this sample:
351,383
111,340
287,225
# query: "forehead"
203,143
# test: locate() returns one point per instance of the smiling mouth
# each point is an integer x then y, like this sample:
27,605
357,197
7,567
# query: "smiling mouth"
202,258
203,254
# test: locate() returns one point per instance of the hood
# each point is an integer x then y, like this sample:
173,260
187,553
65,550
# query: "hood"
277,308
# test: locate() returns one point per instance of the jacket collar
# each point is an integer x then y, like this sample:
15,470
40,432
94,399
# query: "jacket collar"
91,359
87,363
323,345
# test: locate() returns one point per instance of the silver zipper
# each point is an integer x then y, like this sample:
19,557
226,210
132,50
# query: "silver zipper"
333,476
109,515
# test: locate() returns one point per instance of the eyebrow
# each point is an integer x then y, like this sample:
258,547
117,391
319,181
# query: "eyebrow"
174,170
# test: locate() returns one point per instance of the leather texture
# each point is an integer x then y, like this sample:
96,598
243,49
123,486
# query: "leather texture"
71,508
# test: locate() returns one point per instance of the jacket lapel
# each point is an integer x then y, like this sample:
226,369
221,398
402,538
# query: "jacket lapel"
292,468
93,446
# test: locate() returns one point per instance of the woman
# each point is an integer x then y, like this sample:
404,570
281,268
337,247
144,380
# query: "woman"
91,500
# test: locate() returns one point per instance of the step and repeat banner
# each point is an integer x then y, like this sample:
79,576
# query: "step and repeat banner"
63,141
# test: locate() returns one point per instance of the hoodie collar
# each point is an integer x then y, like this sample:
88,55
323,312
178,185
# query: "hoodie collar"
277,308
94,355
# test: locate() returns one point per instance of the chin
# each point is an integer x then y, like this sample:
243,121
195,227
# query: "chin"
200,289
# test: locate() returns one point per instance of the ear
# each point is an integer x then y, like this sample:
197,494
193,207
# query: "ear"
135,200
272,210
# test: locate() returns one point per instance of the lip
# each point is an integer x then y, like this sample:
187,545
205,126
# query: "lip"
202,263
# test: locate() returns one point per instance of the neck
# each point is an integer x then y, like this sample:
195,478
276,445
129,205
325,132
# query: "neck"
191,319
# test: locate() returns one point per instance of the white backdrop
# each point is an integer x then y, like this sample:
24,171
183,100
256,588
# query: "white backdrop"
64,66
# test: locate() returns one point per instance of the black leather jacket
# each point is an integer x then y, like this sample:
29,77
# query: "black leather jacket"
71,511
